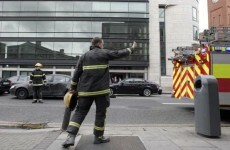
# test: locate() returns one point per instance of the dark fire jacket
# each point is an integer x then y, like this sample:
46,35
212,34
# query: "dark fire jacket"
37,78
91,75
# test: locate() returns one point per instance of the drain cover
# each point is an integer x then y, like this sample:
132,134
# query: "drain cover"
116,143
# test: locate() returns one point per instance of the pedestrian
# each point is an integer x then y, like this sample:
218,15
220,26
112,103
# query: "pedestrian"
115,79
91,81
37,79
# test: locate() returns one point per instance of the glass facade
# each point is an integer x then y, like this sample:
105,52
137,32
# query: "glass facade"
63,29
59,32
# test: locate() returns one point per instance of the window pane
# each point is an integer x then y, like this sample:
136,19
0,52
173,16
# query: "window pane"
82,26
45,26
83,6
10,26
63,26
137,7
195,33
119,7
101,6
46,6
11,6
64,6
29,6
27,26
1,6
63,47
80,47
194,14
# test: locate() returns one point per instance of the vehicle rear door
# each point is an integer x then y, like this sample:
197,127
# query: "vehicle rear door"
58,86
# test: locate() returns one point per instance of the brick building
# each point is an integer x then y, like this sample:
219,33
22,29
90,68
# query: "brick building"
219,13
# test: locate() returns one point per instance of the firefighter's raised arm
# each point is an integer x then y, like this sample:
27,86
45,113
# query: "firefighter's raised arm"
115,54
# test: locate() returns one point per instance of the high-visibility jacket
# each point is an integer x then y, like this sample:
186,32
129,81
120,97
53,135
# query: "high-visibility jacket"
37,77
91,75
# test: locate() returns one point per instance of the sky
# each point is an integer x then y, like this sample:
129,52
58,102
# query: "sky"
203,15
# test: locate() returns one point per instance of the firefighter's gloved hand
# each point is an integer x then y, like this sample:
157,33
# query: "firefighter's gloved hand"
45,83
72,91
134,46
30,82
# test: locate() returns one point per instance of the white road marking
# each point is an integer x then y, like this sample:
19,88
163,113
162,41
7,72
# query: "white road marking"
178,103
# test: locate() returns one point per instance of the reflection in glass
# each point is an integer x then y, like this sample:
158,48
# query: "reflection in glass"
1,6
101,6
80,48
45,26
11,6
63,26
46,6
137,7
194,14
27,26
83,6
119,7
63,47
10,26
29,6
82,26
64,6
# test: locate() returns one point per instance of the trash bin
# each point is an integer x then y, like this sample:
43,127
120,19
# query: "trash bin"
207,111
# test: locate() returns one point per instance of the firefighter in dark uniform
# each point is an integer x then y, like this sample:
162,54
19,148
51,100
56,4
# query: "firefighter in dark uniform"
37,79
91,81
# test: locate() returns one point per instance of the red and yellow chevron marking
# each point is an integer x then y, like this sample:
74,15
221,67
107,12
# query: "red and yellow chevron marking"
183,81
202,61
190,85
187,87
176,81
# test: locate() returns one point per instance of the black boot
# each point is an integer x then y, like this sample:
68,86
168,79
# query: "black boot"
40,101
69,141
101,139
34,101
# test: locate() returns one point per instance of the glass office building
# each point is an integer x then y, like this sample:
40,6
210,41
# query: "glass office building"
57,33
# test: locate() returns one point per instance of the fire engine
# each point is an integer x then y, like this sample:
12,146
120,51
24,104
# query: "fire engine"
210,57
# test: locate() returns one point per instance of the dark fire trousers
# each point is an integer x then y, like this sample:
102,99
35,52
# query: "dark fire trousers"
83,107
37,92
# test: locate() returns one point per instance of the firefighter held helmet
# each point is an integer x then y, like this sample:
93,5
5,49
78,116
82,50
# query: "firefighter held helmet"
38,65
70,100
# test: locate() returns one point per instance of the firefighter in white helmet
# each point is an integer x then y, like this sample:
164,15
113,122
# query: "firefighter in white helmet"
37,79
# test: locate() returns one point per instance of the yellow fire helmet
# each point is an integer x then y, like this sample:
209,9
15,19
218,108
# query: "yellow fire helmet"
70,100
38,65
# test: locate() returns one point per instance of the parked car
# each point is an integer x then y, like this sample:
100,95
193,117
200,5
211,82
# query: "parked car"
57,85
135,86
4,85
18,79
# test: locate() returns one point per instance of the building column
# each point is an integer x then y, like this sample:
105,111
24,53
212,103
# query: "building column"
18,70
154,72
0,70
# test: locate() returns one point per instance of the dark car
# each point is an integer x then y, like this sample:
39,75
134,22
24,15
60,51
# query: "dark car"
57,85
18,79
135,86
4,85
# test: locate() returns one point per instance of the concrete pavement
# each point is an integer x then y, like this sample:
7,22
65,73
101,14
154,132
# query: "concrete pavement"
155,136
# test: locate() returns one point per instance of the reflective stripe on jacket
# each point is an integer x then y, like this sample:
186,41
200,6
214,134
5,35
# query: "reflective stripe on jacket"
91,75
